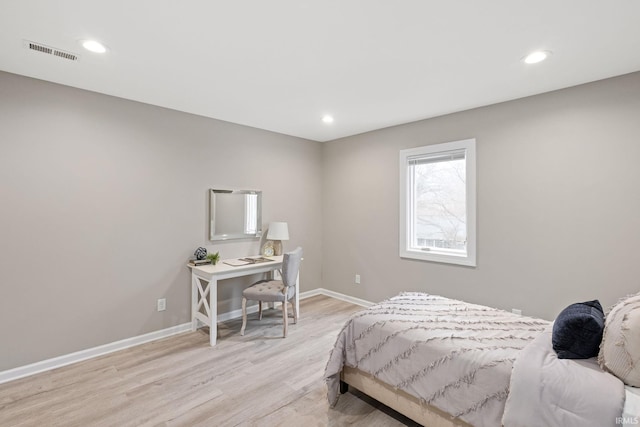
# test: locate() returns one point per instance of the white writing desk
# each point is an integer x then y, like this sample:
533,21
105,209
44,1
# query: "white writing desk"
204,289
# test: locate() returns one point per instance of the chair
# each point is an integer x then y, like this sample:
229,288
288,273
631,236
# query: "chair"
276,290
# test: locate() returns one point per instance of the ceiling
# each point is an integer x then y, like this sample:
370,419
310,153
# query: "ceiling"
281,65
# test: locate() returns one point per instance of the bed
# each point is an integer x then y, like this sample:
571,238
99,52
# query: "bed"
444,363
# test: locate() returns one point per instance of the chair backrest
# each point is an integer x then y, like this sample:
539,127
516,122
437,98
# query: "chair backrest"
290,266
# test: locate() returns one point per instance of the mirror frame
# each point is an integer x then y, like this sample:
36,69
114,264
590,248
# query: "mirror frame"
212,215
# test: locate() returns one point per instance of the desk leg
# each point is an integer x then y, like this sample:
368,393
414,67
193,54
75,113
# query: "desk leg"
213,305
297,302
194,302
204,294
272,276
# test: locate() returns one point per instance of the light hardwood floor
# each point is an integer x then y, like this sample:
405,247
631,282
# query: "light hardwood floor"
260,379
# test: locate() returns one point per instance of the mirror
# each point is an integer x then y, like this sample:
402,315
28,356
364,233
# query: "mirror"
235,214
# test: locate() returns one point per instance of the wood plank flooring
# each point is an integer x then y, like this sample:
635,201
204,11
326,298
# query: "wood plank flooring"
260,379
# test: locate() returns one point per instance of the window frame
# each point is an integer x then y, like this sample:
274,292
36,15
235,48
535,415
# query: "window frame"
444,256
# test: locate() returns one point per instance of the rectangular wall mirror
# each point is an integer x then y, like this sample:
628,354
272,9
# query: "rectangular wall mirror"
235,214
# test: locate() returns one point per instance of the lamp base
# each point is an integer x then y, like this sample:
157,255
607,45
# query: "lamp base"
277,247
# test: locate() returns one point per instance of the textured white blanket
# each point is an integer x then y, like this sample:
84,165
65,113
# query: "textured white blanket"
551,392
453,355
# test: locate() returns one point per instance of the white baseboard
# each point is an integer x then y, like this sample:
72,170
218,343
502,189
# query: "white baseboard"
78,356
303,295
338,295
311,293
236,313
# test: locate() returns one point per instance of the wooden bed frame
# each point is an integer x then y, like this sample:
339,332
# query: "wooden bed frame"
397,400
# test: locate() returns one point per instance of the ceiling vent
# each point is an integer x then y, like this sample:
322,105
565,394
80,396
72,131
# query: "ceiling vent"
39,47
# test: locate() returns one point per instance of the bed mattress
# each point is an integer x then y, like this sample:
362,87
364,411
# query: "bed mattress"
450,354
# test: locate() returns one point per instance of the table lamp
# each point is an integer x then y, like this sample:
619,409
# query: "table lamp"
278,231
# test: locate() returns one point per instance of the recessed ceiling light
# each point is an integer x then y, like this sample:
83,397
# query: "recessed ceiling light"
537,56
327,119
94,46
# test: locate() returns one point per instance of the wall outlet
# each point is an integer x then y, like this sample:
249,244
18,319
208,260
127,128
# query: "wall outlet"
357,280
516,311
162,304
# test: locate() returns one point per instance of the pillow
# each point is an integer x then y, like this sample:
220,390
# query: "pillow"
620,348
577,332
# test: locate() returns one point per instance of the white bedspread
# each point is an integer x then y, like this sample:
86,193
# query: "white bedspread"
453,355
551,392
631,410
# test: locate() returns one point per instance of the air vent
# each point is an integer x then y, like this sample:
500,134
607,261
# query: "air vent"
39,47
65,55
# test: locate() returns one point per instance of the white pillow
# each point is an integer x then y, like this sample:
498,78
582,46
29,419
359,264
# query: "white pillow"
620,346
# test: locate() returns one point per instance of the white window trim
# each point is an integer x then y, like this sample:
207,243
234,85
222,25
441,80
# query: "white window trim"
469,145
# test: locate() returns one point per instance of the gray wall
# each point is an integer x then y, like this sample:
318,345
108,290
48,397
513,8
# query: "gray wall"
104,200
558,203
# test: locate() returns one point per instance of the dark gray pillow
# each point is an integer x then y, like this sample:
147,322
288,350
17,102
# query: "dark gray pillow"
577,331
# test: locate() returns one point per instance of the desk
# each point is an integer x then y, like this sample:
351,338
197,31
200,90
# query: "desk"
204,289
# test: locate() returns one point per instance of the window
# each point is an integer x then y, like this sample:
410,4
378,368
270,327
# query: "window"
438,203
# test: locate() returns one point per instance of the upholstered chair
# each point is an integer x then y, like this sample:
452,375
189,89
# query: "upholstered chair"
283,291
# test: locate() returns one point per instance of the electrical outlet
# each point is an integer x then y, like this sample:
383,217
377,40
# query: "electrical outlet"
516,311
357,279
162,304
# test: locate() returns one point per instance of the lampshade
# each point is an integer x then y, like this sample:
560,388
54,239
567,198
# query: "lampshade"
278,231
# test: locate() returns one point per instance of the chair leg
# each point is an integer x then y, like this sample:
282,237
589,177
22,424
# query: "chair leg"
259,310
285,318
295,312
244,315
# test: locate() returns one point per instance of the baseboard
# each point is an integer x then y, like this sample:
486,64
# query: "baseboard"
79,356
336,295
236,313
311,293
303,295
